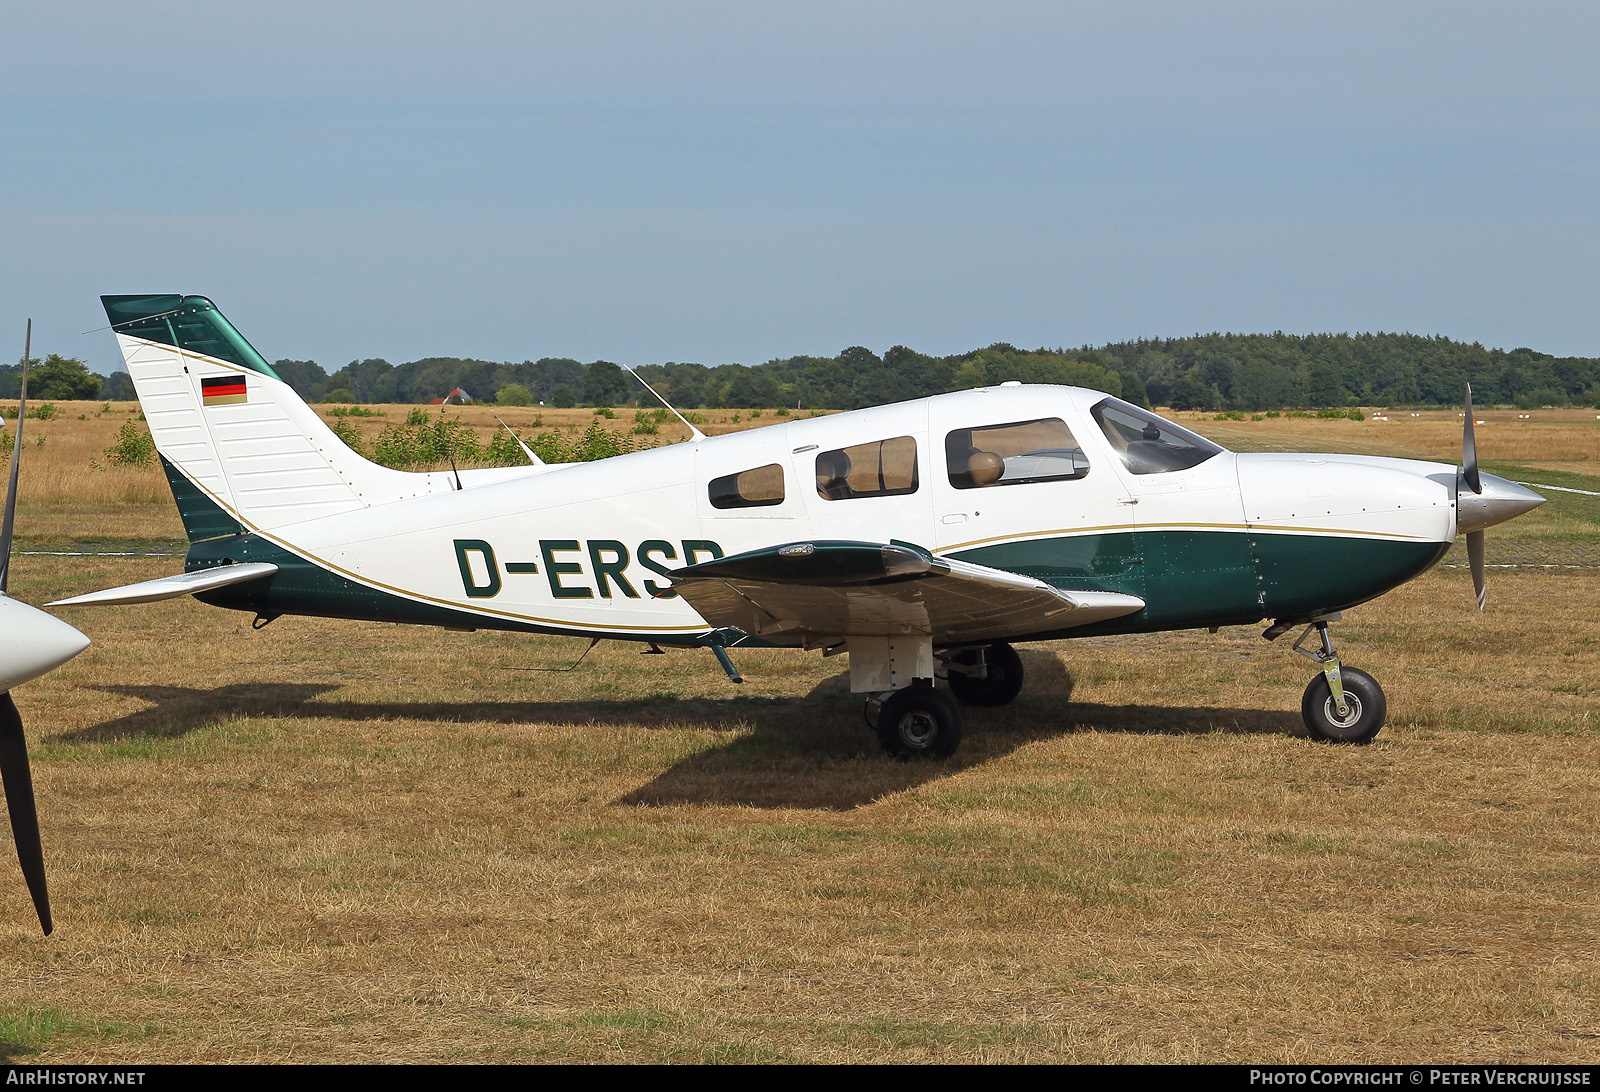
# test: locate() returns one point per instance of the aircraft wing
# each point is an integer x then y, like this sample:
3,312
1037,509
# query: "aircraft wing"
808,593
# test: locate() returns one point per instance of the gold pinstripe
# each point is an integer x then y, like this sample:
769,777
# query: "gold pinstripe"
1070,532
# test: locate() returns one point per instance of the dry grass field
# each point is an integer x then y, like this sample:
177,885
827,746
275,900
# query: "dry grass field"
332,841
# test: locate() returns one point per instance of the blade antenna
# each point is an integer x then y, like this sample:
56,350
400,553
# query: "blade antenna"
694,433
526,450
16,463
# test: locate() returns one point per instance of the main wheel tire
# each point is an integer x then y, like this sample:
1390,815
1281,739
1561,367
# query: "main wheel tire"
1002,684
1364,699
919,722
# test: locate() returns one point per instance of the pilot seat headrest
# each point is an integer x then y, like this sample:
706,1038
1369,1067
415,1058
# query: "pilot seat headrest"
985,467
833,470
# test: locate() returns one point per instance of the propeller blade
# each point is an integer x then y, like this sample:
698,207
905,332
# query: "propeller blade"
16,464
1475,560
1469,449
18,780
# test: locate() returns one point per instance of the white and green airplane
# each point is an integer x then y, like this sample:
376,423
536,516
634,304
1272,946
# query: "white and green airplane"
923,538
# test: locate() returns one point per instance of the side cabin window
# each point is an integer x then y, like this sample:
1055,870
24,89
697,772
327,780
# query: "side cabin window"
1148,444
758,488
1021,452
884,468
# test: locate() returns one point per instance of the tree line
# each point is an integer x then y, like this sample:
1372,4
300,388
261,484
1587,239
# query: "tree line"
1206,371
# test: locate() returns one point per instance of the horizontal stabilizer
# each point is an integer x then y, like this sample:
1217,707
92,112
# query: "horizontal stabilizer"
171,587
811,592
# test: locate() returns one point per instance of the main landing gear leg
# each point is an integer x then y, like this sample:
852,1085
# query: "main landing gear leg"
911,718
1343,704
983,674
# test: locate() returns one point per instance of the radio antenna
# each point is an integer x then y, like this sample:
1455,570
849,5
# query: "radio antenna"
448,450
694,433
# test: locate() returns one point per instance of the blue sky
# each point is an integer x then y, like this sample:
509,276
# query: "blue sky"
735,181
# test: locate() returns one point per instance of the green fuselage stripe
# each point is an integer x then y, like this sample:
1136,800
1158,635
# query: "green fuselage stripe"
1190,579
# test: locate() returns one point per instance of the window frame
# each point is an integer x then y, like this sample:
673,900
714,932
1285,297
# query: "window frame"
733,500
950,472
1196,442
916,470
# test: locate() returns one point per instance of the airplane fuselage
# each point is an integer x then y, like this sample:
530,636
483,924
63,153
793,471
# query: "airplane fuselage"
586,549
921,538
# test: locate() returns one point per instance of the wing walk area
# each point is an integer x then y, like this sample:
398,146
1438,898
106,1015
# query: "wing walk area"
805,593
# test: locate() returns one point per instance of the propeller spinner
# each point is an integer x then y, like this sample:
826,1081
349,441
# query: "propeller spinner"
1483,500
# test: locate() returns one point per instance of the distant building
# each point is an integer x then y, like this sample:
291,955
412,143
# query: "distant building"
458,394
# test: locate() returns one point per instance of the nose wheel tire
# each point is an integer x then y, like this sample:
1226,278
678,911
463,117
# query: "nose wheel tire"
1001,683
919,722
1365,706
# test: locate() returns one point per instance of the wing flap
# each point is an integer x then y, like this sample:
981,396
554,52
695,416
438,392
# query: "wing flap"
806,593
171,587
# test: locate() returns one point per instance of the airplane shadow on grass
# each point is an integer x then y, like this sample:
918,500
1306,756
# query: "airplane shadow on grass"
823,755
13,1053
812,752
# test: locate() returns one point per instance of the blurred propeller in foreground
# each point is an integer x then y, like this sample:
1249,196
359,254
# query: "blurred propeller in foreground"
31,643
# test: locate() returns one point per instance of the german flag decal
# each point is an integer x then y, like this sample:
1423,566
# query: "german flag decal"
222,391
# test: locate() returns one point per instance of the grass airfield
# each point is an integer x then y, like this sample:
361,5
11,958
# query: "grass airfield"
338,841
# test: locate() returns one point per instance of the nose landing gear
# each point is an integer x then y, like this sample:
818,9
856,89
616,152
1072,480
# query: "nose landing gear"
1342,704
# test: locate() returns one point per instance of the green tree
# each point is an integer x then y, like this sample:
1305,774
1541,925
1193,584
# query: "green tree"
307,378
1191,392
367,380
753,388
436,376
970,374
118,387
543,376
604,384
63,378
1133,389
563,396
514,394
1323,387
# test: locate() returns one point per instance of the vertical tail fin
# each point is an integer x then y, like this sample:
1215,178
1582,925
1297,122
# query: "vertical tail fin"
248,447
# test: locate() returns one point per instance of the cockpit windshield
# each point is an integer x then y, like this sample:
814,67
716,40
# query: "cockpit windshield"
1148,444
